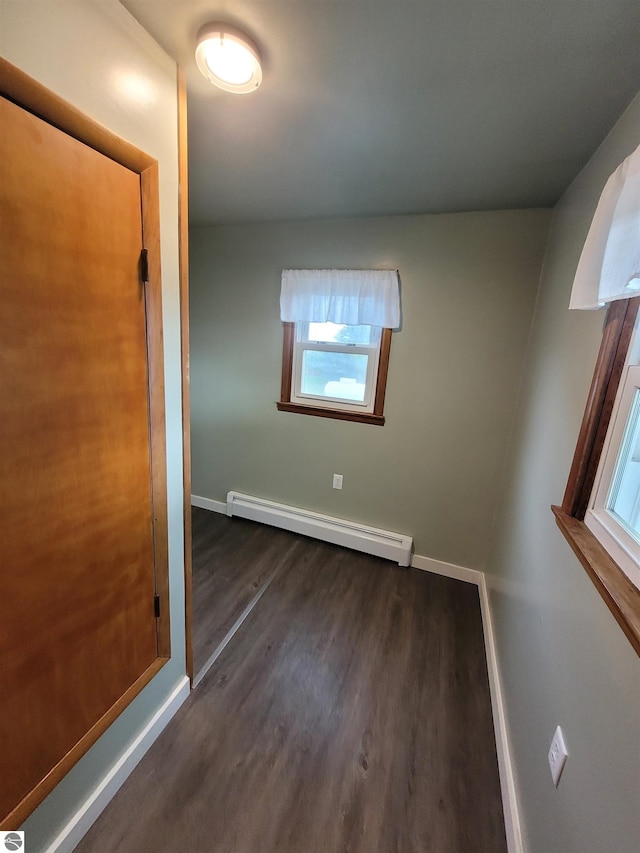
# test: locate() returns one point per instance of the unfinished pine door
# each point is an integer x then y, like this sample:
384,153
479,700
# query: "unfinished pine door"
79,634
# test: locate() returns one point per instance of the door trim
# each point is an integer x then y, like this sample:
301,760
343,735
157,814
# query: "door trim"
22,811
32,96
183,256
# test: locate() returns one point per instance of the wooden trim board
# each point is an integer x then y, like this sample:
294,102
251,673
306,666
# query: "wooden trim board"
183,259
336,414
28,93
619,594
55,775
616,338
157,432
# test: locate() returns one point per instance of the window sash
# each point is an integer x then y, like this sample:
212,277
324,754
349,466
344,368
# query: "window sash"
302,344
601,521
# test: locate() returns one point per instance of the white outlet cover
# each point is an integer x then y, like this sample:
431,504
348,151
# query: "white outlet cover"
337,481
558,754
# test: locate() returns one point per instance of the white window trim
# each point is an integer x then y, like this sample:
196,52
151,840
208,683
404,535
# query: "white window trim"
302,343
612,535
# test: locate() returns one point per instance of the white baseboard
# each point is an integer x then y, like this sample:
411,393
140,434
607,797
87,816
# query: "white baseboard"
99,799
208,503
505,767
449,570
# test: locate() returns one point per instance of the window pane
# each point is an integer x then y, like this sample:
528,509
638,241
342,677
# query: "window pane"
336,333
334,374
624,500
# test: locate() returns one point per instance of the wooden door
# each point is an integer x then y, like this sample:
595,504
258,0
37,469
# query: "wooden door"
78,632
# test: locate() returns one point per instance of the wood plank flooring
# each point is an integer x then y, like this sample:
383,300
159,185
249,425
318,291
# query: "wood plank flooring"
232,560
350,713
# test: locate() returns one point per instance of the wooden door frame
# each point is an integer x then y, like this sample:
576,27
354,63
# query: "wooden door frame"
183,254
32,96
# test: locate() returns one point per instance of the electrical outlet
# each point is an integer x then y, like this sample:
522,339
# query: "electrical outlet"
558,755
337,481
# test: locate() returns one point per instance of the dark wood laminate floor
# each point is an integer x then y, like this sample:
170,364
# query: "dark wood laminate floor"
232,560
350,712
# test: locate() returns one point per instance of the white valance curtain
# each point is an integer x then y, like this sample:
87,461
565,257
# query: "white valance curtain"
352,297
609,267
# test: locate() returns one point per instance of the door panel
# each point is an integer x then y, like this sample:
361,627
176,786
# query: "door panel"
77,570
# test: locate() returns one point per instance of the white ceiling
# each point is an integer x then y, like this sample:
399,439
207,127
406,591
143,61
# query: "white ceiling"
374,107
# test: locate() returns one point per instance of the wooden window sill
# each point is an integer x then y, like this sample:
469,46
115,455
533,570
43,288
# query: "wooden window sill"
337,414
620,595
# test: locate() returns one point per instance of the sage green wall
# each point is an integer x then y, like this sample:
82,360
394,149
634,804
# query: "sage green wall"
563,658
468,288
56,44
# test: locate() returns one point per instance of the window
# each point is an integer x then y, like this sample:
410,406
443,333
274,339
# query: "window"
335,370
336,344
335,364
600,512
613,513
613,583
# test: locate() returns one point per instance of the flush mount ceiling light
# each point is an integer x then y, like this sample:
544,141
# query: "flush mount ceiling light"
228,58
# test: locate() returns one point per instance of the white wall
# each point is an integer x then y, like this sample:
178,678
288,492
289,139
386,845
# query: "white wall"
97,57
564,660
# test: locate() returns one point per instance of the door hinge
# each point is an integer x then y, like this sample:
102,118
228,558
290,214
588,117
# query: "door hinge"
144,266
156,605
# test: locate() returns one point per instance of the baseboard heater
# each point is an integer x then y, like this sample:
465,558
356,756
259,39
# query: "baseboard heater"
370,540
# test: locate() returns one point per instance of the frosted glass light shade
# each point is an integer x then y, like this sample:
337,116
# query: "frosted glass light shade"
228,59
